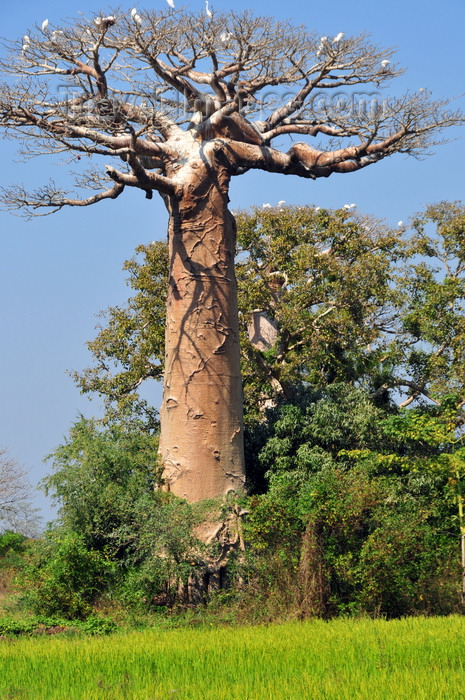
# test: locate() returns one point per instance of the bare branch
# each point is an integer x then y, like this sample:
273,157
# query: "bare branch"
163,91
16,199
141,178
15,497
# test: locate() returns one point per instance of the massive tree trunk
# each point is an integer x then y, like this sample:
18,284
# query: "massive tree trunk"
201,441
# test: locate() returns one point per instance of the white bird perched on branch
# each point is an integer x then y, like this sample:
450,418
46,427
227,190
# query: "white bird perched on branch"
170,3
207,10
26,39
104,20
349,206
44,25
321,47
385,63
225,37
338,37
136,16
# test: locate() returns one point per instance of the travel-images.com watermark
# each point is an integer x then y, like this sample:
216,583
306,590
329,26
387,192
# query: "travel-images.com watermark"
341,104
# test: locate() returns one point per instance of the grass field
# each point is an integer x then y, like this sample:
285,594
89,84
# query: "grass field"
411,658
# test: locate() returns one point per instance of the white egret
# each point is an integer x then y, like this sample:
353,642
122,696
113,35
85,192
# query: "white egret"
281,202
385,63
137,19
316,208
104,20
225,37
44,25
321,48
207,10
170,3
26,39
133,12
349,206
267,205
400,223
338,37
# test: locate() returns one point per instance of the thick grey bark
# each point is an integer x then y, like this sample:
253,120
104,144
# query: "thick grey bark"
201,442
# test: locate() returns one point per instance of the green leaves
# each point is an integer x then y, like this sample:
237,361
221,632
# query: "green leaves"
324,279
324,297
99,476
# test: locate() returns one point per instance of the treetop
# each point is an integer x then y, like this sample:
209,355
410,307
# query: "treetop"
152,88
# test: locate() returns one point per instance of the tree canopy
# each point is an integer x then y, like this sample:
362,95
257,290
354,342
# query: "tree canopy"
130,86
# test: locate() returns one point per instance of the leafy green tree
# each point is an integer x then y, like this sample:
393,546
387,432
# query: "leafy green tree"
324,280
425,358
429,444
129,348
65,577
103,481
375,499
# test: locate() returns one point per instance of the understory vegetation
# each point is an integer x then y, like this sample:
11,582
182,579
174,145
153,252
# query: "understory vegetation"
354,387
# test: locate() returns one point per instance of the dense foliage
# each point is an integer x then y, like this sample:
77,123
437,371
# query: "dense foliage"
116,535
354,380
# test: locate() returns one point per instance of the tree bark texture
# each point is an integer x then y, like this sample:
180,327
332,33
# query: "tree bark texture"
201,442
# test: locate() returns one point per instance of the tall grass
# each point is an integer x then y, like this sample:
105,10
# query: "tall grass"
411,658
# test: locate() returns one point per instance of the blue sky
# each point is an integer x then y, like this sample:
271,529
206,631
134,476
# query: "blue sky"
57,272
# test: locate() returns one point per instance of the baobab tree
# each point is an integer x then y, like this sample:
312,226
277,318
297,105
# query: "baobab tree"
178,103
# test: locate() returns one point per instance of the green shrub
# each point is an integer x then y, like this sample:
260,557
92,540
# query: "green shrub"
11,542
66,578
16,627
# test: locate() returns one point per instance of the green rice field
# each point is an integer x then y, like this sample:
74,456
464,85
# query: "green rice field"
410,658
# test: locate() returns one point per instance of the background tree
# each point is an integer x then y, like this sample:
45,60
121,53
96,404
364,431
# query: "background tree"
425,359
129,347
16,493
198,113
325,281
